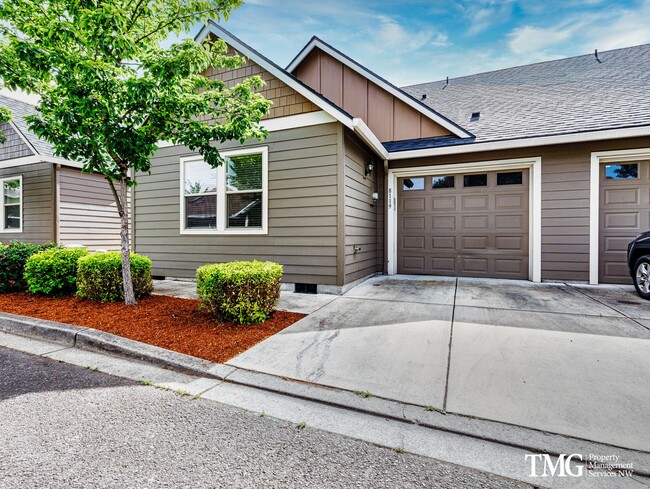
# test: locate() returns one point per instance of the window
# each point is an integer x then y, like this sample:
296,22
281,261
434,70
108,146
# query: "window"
442,182
476,180
12,203
231,198
413,184
621,172
510,178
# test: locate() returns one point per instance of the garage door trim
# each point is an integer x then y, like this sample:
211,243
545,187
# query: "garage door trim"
597,159
534,165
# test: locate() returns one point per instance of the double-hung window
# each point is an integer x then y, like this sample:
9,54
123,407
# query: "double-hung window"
11,206
229,199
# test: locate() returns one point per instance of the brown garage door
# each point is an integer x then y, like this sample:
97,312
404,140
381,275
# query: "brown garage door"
624,213
470,225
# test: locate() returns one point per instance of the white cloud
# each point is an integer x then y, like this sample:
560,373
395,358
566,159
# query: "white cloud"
528,39
620,29
483,14
441,40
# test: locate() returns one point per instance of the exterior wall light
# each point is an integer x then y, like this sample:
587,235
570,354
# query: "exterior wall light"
369,167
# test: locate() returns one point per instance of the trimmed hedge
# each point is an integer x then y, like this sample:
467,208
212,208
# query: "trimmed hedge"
99,276
13,257
242,292
54,271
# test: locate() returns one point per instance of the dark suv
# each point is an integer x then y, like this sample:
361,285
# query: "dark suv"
638,262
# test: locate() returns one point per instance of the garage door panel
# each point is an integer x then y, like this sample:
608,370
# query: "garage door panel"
474,223
446,203
509,201
515,243
444,265
415,263
474,243
443,243
504,266
622,220
475,265
414,223
413,242
479,231
510,222
622,196
414,204
475,202
624,213
443,223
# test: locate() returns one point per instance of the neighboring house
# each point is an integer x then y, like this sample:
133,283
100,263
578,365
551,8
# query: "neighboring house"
539,172
48,199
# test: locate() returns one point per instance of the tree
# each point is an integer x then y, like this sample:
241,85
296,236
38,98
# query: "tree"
109,91
5,116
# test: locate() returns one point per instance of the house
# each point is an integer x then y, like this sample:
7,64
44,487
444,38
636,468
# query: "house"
538,172
48,199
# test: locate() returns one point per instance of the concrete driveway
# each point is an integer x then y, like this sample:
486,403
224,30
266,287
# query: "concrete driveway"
567,359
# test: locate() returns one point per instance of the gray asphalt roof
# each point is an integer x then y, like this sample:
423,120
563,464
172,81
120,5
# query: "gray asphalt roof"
20,110
550,98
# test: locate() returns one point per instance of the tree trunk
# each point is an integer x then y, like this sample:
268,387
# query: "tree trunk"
123,210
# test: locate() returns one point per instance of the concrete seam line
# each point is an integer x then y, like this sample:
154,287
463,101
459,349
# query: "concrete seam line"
451,337
608,306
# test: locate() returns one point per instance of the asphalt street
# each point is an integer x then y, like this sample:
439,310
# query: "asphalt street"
66,426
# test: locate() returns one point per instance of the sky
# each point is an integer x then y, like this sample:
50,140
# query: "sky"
417,41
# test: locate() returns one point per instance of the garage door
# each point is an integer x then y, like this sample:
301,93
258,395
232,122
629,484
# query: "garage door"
469,225
624,213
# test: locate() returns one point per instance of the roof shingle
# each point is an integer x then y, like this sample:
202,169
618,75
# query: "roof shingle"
20,110
555,97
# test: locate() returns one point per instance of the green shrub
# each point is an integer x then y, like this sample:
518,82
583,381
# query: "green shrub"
53,271
13,257
99,276
241,292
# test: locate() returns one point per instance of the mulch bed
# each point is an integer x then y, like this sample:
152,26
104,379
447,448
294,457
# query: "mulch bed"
169,322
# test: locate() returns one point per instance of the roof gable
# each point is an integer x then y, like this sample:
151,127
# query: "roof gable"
19,111
304,66
285,100
277,72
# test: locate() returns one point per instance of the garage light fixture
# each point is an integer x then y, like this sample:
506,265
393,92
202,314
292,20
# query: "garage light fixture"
369,167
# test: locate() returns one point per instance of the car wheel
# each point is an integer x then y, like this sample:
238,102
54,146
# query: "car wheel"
642,277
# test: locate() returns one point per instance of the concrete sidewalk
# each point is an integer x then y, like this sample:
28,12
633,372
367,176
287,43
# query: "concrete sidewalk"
572,360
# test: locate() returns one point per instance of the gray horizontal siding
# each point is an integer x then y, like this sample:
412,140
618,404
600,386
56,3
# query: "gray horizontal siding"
302,211
361,215
87,210
38,203
14,146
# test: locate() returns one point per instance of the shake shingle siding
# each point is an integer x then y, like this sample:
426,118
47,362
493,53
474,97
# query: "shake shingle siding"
38,203
302,231
14,146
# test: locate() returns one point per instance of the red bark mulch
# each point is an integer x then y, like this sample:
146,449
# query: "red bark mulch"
169,322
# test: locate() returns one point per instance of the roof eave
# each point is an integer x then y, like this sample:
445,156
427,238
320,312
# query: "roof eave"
528,142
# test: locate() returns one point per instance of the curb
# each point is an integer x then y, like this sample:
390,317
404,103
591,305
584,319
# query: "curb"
516,436
100,341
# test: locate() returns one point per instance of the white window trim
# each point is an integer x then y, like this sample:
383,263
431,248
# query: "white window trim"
2,205
222,229
597,159
535,202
